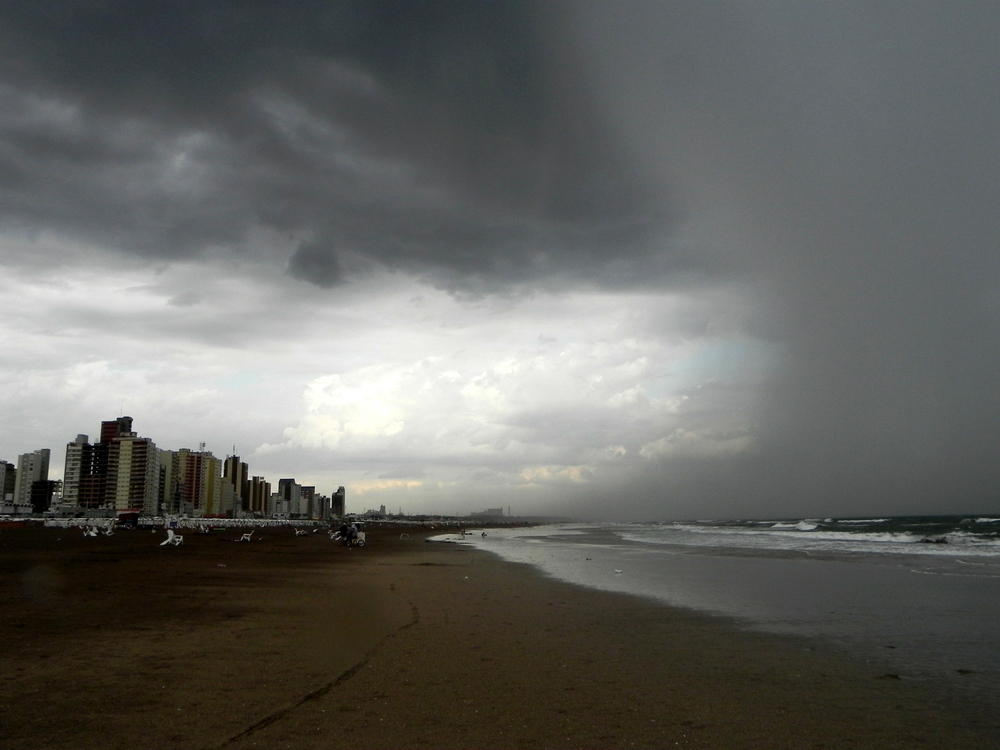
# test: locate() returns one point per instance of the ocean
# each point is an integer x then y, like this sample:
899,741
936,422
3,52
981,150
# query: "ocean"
917,597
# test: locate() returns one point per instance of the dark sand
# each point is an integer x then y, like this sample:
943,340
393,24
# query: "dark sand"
294,642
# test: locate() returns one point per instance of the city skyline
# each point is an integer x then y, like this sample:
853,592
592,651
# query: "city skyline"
124,472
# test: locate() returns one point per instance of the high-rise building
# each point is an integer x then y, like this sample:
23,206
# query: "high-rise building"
229,504
169,494
338,503
8,478
77,457
307,506
133,474
213,487
276,507
192,483
290,494
115,428
322,505
259,495
234,472
31,467
92,490
121,472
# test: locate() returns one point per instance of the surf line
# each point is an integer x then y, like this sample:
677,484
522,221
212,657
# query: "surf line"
324,689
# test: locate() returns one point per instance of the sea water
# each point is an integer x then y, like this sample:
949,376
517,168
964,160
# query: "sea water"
918,598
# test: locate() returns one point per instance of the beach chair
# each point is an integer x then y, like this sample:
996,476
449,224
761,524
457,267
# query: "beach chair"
172,538
247,537
301,532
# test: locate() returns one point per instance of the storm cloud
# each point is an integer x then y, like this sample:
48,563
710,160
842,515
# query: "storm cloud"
785,213
449,138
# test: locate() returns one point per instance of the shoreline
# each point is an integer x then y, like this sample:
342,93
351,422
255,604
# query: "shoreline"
928,620
294,642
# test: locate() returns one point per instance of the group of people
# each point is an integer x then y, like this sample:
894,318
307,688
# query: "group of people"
347,534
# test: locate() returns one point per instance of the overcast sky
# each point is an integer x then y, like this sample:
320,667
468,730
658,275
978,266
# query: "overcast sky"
640,260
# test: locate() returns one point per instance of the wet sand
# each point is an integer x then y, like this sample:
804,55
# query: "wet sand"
300,643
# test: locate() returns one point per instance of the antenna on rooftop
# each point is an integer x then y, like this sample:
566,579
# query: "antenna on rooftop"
201,447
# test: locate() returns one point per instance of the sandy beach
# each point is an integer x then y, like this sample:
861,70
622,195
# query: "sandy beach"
116,642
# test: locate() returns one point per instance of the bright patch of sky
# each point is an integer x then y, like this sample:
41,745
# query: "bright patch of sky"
391,387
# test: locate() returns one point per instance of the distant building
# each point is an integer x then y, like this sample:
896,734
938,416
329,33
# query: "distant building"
259,493
8,478
277,506
92,488
234,472
229,504
121,472
73,469
290,494
338,503
133,474
322,508
307,507
192,483
31,467
115,428
488,513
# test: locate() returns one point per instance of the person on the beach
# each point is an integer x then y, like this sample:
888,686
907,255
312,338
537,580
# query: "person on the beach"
343,530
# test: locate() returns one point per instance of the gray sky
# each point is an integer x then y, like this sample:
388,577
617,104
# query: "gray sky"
629,260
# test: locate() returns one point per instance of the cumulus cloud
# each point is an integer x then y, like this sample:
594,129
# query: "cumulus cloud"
527,412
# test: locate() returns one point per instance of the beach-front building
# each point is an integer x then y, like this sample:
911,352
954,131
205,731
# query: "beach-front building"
338,503
77,454
127,473
192,483
31,467
133,474
8,477
236,475
119,473
259,494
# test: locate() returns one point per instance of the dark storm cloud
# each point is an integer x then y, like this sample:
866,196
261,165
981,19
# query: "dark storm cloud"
449,138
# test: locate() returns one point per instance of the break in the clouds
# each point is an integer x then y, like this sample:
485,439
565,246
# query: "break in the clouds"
652,259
